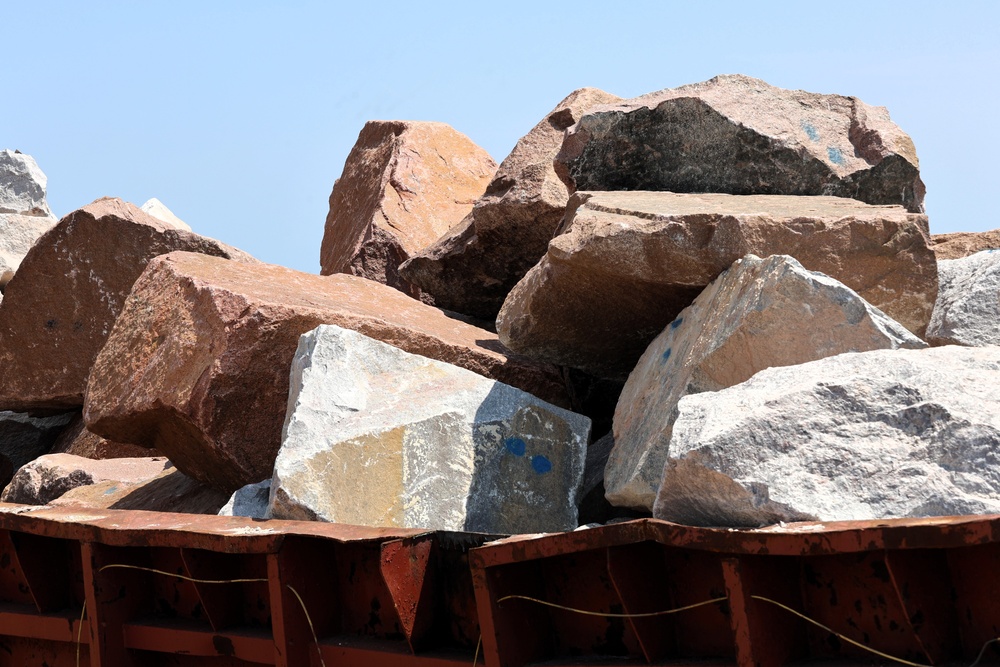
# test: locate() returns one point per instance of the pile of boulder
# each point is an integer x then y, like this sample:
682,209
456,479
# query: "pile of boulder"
718,304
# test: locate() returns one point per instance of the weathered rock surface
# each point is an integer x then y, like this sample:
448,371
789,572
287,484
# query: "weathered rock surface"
22,185
24,211
75,439
962,244
250,501
405,184
739,135
159,210
197,365
377,436
50,476
759,313
170,491
24,438
60,306
628,262
882,434
967,311
472,268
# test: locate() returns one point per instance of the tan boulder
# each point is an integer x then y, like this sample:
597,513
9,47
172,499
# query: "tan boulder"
198,364
50,476
962,244
404,185
740,135
760,313
472,268
60,306
629,262
169,491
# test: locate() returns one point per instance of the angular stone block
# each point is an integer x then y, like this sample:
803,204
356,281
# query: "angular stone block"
856,436
967,311
380,437
759,313
197,365
627,263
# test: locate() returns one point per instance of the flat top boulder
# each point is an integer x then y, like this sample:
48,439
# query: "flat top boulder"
626,263
198,362
962,244
60,306
740,135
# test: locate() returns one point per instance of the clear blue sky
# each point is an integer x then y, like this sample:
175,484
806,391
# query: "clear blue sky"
239,115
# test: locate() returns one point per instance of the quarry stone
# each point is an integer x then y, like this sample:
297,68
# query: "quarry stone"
856,436
159,210
962,244
50,476
249,501
759,313
197,365
59,308
377,436
404,185
626,263
739,135
967,311
75,439
472,268
24,211
169,491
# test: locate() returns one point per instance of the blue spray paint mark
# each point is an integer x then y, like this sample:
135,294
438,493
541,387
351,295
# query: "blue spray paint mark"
515,446
811,131
676,323
835,155
541,464
666,355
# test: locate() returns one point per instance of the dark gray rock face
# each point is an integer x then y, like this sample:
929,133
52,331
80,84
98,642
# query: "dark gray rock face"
738,135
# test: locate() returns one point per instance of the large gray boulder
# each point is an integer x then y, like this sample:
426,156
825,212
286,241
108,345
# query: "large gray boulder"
381,437
967,311
760,313
24,211
857,436
743,136
626,263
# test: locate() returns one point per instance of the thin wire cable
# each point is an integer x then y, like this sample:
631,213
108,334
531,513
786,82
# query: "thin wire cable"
612,615
475,658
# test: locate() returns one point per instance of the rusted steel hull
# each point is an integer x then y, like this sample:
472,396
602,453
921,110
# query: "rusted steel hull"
137,588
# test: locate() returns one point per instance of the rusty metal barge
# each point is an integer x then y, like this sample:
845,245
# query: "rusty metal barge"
120,588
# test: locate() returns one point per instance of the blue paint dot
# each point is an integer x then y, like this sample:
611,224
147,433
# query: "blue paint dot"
541,464
835,155
811,131
515,446
666,355
676,323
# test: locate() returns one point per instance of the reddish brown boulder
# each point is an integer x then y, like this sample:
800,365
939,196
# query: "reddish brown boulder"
198,364
60,306
472,268
404,185
739,135
962,244
629,262
75,439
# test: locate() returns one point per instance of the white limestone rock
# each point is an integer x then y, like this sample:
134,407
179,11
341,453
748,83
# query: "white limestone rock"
24,212
857,436
380,437
158,210
967,311
758,314
22,185
249,501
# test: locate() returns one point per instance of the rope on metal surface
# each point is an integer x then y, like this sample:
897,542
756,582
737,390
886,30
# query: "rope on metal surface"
254,580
